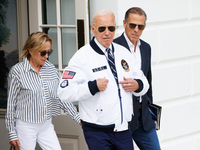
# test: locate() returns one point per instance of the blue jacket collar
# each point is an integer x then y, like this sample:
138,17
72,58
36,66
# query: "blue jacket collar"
96,47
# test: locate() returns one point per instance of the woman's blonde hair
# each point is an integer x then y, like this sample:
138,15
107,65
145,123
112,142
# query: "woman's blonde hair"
36,41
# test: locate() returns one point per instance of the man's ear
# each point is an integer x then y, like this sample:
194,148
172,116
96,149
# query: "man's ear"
93,29
124,24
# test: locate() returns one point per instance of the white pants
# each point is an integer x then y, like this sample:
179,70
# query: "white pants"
43,133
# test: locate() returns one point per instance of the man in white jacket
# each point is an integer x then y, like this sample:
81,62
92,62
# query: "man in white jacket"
104,90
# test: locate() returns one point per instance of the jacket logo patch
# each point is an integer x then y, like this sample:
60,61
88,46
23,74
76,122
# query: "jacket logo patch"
125,65
99,69
64,84
68,74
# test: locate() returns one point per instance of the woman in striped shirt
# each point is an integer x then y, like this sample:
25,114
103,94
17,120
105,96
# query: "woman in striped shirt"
32,98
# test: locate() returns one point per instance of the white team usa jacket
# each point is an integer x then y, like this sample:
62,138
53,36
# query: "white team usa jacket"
112,106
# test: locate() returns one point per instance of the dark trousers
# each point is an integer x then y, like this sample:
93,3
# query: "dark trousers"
108,140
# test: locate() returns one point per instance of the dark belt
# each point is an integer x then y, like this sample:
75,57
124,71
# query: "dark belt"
96,127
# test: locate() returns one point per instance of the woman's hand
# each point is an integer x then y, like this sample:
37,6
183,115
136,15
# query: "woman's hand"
15,143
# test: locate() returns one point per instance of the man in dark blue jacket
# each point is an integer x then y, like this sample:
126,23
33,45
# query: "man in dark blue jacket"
142,125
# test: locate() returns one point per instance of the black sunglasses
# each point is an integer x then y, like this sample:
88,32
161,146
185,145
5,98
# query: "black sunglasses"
133,25
110,28
43,53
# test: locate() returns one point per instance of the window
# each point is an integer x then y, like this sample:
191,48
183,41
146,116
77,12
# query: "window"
66,22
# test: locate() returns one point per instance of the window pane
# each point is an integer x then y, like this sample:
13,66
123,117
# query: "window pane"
49,12
9,55
67,12
52,32
68,44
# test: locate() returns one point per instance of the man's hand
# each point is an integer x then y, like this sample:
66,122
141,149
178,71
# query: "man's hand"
15,143
102,83
129,84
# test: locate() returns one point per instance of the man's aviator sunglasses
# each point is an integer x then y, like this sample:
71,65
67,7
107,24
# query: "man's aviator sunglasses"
43,53
103,28
133,25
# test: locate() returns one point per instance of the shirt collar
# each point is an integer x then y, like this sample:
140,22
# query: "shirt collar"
28,67
130,44
102,47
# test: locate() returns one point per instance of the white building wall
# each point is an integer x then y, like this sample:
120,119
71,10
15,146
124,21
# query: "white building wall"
173,29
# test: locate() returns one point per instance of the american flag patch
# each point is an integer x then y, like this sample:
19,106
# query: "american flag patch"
68,74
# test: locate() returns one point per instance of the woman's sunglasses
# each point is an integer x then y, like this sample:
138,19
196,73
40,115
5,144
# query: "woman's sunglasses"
133,25
103,28
43,53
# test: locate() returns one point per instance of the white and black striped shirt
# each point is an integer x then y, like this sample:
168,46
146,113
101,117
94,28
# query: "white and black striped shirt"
32,96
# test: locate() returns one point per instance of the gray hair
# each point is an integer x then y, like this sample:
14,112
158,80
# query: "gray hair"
101,13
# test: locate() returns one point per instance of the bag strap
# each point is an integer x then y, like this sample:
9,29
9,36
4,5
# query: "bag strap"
12,148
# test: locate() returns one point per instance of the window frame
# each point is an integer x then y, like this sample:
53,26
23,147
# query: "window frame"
35,22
